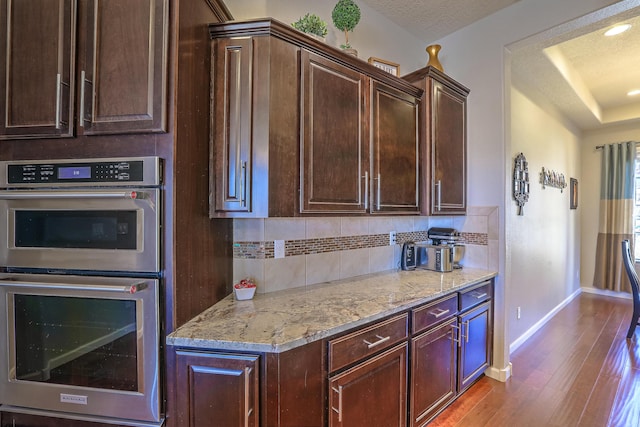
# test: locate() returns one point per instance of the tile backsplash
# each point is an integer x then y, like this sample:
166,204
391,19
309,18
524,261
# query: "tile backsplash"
318,250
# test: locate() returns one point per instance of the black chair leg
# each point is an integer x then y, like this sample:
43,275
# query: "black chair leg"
634,323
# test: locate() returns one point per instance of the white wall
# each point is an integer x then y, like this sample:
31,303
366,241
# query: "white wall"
477,56
544,242
589,194
374,35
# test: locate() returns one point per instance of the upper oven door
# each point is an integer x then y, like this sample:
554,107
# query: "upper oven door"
102,230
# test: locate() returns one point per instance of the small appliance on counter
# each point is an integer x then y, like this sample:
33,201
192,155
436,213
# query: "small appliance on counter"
448,237
426,256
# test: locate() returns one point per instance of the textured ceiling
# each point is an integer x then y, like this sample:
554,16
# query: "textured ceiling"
582,75
433,19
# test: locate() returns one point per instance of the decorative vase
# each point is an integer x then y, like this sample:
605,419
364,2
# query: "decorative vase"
434,62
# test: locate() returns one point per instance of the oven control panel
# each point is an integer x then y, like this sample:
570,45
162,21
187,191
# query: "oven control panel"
83,172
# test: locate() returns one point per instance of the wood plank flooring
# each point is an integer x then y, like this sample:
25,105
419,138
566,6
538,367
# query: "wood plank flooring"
578,370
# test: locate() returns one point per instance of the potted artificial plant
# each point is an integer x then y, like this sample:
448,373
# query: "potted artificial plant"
311,24
345,16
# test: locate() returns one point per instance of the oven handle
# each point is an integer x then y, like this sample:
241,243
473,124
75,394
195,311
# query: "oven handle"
21,195
130,288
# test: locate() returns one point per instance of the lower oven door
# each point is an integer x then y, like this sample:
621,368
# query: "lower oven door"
80,345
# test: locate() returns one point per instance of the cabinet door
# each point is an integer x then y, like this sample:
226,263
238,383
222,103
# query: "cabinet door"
373,393
448,151
475,344
122,66
216,387
36,42
434,369
335,143
231,143
394,129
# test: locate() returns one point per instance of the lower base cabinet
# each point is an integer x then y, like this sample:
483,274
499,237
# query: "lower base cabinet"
396,372
217,388
434,371
475,344
372,393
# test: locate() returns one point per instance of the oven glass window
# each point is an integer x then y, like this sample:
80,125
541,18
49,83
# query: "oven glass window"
85,342
75,229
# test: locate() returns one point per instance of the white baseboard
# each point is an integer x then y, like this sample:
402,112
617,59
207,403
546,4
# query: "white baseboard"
606,293
501,375
524,337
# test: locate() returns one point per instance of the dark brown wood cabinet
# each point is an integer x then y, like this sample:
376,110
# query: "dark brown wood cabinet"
434,371
217,386
364,362
443,120
475,344
196,252
334,137
362,377
451,347
93,67
374,392
395,149
300,127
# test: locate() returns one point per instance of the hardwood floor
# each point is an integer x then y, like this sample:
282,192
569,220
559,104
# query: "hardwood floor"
578,370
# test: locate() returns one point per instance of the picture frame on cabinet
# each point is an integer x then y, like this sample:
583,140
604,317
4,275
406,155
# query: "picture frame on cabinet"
388,66
573,193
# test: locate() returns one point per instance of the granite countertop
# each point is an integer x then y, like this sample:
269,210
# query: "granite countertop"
279,321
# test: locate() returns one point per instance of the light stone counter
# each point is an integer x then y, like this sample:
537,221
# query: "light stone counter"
279,321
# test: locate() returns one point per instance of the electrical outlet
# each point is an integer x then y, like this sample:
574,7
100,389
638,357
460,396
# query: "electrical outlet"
278,248
518,313
392,238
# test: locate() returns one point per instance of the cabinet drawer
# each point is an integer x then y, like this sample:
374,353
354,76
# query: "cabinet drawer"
434,312
364,342
475,296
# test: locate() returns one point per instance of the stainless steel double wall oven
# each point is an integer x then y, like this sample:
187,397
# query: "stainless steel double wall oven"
80,251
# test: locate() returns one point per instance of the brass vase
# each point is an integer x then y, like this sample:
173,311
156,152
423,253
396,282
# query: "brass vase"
434,62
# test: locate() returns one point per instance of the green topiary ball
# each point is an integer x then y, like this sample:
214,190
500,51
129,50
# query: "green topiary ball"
345,15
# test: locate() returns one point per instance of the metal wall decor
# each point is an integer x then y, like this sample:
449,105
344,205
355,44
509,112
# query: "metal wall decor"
549,178
521,182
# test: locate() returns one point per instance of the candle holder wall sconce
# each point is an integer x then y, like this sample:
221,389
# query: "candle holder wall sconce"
549,178
521,182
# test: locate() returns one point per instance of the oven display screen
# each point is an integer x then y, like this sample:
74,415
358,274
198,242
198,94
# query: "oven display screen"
77,172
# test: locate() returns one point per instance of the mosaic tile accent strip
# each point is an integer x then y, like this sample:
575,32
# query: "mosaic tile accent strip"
265,250
475,238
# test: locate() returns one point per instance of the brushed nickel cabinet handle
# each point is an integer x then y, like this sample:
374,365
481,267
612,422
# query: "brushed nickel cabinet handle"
439,197
339,410
82,80
455,336
247,372
58,99
377,343
366,190
243,185
479,295
438,312
378,193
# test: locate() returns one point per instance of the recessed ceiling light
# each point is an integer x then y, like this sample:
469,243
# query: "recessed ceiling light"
617,29
634,92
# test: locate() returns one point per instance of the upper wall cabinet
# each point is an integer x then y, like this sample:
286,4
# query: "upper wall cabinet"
300,127
116,83
444,122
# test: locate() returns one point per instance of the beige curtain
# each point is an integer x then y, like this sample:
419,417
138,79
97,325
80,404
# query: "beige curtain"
616,215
